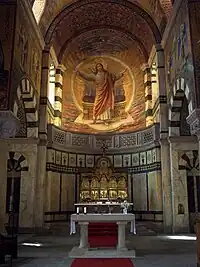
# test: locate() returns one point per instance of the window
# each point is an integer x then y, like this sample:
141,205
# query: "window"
38,9
51,91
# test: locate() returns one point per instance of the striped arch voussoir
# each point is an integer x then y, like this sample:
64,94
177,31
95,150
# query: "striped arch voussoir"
180,91
189,160
26,92
17,162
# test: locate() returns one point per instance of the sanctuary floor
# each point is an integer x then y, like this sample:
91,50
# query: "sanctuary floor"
151,249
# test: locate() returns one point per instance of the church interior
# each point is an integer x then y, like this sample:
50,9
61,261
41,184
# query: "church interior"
100,105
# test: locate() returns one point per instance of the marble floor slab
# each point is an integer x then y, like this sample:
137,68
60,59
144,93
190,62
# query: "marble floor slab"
151,250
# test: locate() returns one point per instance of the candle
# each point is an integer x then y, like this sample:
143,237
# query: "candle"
85,210
77,210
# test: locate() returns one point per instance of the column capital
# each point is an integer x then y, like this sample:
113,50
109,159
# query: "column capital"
194,121
122,223
158,47
164,142
144,66
83,223
61,67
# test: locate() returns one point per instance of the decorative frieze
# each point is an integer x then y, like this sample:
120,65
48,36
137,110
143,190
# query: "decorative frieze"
60,138
143,160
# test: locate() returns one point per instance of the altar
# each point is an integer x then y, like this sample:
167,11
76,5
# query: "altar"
100,207
120,219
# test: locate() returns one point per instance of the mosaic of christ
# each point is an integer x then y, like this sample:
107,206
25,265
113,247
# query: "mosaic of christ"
103,90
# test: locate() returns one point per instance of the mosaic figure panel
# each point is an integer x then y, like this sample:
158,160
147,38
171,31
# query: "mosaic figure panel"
103,92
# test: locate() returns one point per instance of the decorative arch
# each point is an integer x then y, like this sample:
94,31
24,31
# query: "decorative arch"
26,93
131,36
38,9
73,6
17,162
189,160
180,91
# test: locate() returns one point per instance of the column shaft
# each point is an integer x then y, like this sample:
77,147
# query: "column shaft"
148,94
83,234
121,236
40,197
166,186
58,94
165,148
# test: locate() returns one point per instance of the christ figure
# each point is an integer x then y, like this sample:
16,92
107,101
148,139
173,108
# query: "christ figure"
104,99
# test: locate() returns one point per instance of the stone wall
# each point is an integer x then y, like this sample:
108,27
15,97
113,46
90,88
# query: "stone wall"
194,18
7,20
177,48
26,68
25,156
137,154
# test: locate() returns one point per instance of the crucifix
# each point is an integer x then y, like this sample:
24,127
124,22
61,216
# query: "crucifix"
104,147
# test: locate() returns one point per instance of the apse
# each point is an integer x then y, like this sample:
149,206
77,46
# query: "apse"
119,36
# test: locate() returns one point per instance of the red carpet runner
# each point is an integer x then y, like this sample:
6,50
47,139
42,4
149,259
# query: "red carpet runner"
102,263
102,234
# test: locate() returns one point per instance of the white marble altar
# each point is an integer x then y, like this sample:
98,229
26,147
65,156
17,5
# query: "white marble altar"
84,219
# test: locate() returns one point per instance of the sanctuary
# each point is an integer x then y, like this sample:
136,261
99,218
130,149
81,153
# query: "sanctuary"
99,106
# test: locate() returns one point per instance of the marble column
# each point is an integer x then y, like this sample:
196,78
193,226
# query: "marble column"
83,234
42,146
130,193
148,94
166,185
163,105
121,235
3,183
58,94
165,148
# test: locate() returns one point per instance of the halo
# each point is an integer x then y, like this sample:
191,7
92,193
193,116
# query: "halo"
100,61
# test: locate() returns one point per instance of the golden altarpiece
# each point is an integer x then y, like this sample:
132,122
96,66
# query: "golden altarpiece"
103,183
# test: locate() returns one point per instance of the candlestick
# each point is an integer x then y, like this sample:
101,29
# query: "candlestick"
85,210
77,210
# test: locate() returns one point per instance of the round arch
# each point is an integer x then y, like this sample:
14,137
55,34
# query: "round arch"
133,37
127,4
26,92
180,91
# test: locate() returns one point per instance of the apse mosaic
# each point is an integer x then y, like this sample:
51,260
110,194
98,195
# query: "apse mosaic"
102,94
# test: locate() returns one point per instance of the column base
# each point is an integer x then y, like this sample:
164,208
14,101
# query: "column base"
122,249
83,235
77,252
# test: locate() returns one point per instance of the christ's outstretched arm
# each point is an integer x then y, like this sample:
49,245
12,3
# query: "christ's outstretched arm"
87,77
117,77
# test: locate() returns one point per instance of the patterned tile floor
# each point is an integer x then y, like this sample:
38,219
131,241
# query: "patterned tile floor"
151,250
